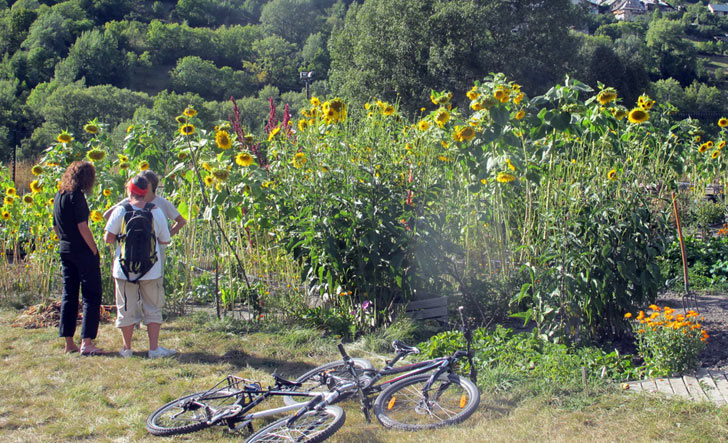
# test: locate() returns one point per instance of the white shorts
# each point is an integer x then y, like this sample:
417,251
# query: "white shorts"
139,301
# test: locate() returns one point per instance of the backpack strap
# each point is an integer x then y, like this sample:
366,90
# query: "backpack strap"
127,216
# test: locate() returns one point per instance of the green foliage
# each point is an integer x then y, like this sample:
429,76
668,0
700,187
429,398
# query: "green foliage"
706,258
528,354
94,57
193,74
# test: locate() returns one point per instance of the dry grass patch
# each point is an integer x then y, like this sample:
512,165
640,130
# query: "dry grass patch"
48,396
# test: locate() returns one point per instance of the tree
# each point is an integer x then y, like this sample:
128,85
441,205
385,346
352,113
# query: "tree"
276,62
672,53
401,49
94,56
202,77
293,20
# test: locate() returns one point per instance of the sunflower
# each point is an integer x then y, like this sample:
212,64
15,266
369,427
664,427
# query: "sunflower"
129,128
187,129
388,109
96,216
143,166
618,113
299,160
606,96
222,138
638,115
723,122
5,215
11,191
35,187
206,166
504,177
28,199
476,106
423,125
190,111
520,114
464,134
645,102
315,101
8,200
181,155
208,180
91,127
64,137
442,117
302,124
244,159
181,119
124,165
704,147
612,175
715,154
37,170
275,132
472,94
106,192
510,165
220,174
517,99
721,145
95,155
501,95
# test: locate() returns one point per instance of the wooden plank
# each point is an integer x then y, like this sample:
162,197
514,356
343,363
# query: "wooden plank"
679,388
649,385
708,385
423,314
696,392
663,386
430,303
721,382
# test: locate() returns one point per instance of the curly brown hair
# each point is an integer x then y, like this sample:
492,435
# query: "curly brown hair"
79,176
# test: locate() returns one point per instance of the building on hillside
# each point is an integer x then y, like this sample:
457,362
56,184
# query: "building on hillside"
591,5
652,5
718,9
628,9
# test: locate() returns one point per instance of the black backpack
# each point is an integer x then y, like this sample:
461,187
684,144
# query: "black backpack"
138,241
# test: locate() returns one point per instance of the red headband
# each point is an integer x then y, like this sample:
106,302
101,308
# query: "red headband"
136,190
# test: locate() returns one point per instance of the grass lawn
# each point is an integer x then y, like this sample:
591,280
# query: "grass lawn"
49,396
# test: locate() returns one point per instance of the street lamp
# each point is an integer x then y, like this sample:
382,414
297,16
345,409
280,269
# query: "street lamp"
306,76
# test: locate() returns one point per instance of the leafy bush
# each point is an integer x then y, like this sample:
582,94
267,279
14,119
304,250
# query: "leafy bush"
669,344
706,259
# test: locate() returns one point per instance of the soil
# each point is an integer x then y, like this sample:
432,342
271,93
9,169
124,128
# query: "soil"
714,307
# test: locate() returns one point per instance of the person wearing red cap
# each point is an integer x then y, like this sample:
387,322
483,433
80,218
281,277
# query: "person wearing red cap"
147,306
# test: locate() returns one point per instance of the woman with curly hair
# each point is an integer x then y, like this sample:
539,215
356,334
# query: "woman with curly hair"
79,257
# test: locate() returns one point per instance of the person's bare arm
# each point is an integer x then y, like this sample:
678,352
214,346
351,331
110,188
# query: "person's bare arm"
109,237
179,223
88,236
108,212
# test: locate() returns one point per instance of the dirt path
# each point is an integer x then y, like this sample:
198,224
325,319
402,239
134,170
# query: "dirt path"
714,307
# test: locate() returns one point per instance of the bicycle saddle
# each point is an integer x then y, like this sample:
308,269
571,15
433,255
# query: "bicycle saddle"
283,382
401,348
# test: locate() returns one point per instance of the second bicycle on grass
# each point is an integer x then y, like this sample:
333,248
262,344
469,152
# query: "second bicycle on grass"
424,395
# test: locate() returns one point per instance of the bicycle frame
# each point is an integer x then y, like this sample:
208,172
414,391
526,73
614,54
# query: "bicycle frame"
237,416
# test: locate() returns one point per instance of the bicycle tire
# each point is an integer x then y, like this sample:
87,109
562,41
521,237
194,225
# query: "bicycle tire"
452,399
339,369
311,427
156,422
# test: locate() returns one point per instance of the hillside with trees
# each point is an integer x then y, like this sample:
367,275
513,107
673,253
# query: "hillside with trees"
65,63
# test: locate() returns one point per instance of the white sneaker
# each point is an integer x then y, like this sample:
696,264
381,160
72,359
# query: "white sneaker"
161,352
126,353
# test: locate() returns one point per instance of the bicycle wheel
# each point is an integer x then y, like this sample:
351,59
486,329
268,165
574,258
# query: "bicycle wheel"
178,417
312,382
313,426
451,399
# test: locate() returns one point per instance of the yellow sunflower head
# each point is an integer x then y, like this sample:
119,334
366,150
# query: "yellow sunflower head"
95,155
612,175
206,166
299,160
28,199
606,96
11,191
181,155
504,177
222,138
442,117
37,170
8,200
187,129
723,122
91,127
208,180
106,192
190,111
275,132
704,147
423,125
35,187
520,114
638,115
143,166
302,124
472,94
124,165
220,174
5,215
244,159
715,154
96,216
64,137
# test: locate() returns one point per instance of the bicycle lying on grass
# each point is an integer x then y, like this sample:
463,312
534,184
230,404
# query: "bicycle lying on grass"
429,394
230,402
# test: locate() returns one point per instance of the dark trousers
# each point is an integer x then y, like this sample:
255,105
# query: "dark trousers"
80,270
